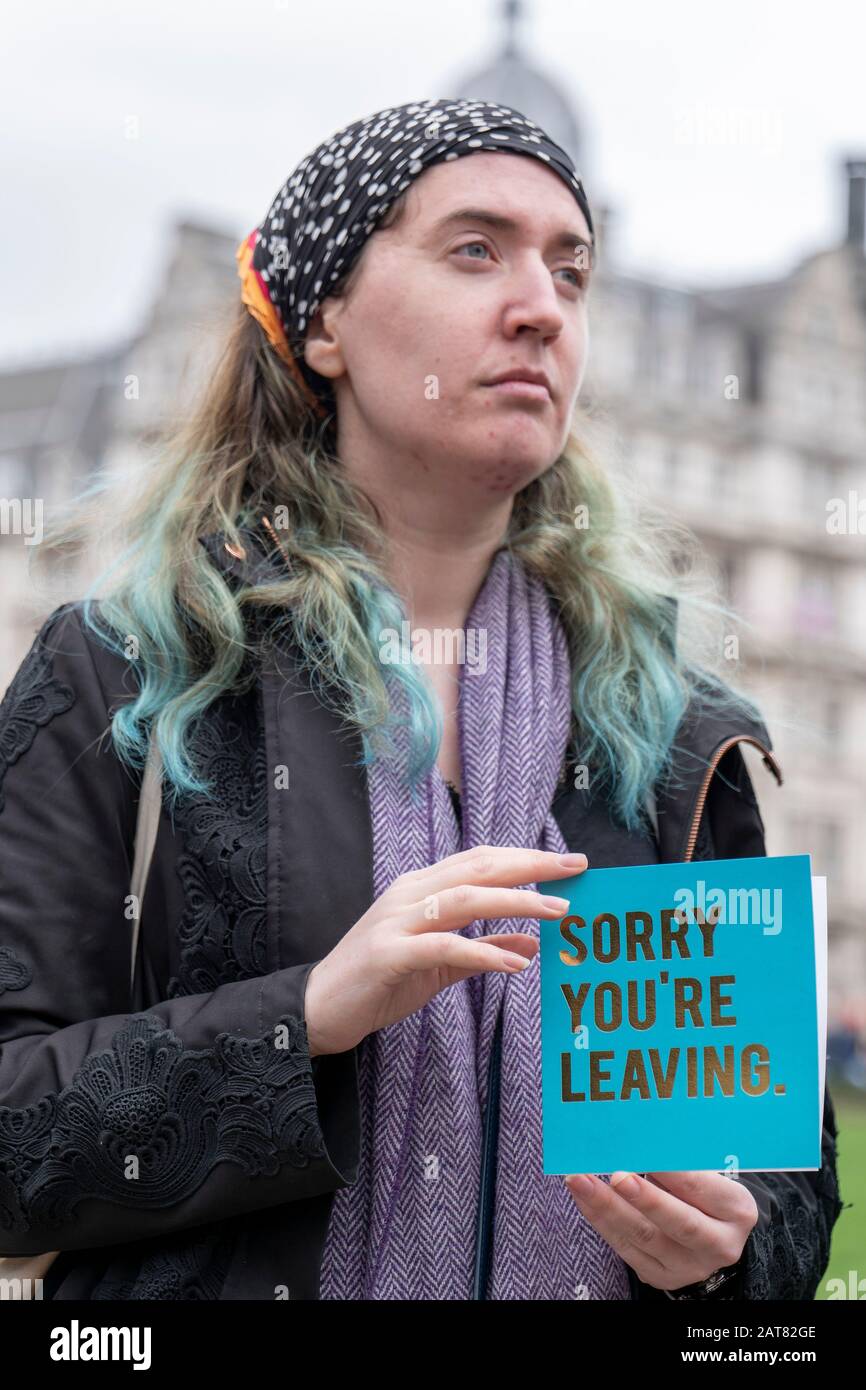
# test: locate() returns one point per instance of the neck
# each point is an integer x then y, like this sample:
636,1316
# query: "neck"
439,542
438,569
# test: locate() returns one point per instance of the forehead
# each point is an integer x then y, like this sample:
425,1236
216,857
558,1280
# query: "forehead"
520,187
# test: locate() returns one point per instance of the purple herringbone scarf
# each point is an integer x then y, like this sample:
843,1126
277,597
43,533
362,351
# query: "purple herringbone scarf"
406,1228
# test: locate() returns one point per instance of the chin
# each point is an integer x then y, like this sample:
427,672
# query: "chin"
520,443
509,473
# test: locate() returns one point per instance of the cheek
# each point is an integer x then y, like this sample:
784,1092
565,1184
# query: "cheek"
581,356
392,355
432,348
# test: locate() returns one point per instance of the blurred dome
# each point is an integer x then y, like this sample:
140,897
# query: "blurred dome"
511,80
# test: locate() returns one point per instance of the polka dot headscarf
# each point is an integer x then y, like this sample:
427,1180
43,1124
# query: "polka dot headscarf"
319,221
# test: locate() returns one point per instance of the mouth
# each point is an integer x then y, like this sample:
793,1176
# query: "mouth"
529,386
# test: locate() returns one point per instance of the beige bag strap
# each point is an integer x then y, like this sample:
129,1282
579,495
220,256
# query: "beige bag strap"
147,821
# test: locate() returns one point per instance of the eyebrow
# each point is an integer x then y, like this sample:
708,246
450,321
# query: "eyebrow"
566,240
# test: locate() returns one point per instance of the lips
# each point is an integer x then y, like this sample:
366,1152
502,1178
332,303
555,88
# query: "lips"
526,384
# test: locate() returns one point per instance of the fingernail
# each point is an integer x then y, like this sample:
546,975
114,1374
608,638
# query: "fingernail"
625,1183
516,962
572,861
580,1184
561,904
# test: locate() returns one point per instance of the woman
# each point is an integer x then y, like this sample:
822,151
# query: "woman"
336,990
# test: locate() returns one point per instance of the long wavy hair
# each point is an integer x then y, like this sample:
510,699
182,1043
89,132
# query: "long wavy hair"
644,631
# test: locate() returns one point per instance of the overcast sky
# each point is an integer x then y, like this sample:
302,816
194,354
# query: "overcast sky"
714,131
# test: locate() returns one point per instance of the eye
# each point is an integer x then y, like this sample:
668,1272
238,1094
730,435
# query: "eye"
581,277
468,244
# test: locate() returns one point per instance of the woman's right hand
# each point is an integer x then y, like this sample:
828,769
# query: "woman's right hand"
402,951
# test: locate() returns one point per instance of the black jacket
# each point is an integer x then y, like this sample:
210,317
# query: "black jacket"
173,1152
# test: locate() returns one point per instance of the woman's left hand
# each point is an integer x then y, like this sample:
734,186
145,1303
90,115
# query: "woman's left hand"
674,1230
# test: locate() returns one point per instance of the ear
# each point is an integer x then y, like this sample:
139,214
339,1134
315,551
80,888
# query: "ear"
322,349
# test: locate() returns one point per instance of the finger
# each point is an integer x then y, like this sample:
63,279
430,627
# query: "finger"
505,866
510,941
681,1222
525,946
457,907
717,1196
455,953
635,1238
515,946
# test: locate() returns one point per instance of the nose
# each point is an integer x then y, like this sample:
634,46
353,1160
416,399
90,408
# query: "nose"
533,301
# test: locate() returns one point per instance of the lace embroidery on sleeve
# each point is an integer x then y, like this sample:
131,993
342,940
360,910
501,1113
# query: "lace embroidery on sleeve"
787,1260
34,697
14,973
223,869
186,1270
178,1112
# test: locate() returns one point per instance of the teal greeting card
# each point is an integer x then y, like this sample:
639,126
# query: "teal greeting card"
680,1019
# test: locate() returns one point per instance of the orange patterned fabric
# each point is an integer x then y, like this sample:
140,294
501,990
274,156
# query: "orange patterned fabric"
255,295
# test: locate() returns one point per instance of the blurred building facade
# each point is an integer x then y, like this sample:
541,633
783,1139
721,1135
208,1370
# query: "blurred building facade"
740,411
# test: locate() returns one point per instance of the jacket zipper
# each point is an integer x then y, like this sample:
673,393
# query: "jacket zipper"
487,1190
769,759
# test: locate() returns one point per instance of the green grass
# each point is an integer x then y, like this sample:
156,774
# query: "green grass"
848,1248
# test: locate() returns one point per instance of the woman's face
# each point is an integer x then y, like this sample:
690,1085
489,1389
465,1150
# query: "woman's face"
483,275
